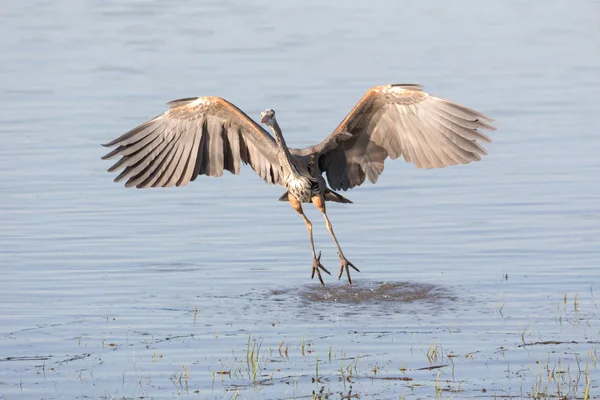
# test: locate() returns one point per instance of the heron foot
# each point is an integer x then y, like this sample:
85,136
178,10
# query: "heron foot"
317,266
346,265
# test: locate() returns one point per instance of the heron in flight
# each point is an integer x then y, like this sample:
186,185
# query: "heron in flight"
208,135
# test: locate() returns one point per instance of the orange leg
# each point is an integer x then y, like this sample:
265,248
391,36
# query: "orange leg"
317,266
319,202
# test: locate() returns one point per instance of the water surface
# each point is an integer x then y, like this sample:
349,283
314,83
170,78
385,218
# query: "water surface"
475,281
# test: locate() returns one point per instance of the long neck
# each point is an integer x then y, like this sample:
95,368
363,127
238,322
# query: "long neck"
285,157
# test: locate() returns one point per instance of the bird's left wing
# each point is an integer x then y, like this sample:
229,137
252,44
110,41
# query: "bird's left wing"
196,136
394,121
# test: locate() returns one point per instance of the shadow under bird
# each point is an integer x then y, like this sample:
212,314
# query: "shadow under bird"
207,135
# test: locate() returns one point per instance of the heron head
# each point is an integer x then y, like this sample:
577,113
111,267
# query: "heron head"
267,117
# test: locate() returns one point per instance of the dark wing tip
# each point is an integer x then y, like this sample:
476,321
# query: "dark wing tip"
111,143
181,102
408,86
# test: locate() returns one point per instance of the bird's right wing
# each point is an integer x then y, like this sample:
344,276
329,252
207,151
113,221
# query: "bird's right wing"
196,136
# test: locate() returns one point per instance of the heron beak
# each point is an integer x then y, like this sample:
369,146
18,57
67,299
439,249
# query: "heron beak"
263,118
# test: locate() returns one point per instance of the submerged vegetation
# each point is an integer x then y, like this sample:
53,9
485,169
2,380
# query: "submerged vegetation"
561,374
550,356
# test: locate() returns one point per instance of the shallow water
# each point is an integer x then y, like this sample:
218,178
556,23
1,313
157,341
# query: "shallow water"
487,271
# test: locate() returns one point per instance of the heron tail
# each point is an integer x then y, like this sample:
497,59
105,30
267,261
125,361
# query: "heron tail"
330,195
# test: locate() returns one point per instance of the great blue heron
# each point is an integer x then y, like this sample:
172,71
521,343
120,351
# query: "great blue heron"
207,135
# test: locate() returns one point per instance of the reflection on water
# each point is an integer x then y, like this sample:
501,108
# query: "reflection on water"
109,292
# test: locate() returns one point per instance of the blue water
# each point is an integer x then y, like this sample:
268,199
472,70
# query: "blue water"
98,283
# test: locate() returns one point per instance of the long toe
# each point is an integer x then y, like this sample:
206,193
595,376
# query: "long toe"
345,265
317,267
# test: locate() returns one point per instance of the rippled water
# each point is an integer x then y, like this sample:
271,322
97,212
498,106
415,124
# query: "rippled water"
487,271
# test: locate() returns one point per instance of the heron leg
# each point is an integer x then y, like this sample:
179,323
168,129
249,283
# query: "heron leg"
345,265
317,266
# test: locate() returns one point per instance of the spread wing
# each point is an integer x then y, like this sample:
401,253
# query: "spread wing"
196,136
394,121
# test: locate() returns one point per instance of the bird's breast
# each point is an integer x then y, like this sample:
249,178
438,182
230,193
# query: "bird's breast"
301,188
